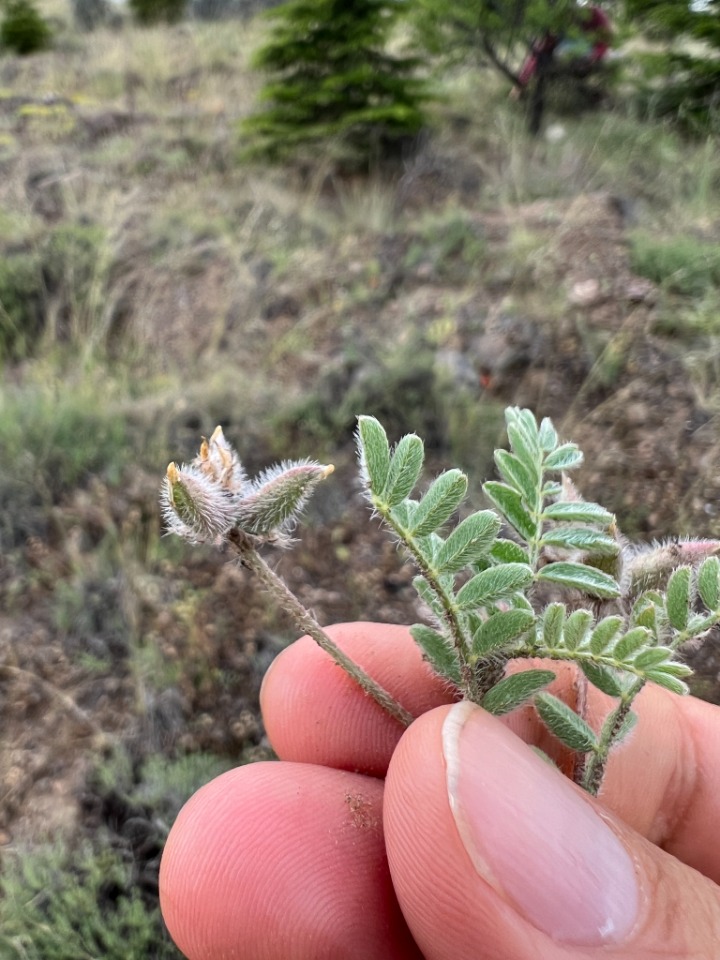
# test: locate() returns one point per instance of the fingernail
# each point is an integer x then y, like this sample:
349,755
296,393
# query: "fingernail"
535,839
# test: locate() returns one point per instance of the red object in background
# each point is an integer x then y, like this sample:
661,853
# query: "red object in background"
592,20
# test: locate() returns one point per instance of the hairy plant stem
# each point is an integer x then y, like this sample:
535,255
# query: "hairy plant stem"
593,770
469,680
534,544
700,629
576,656
304,620
492,671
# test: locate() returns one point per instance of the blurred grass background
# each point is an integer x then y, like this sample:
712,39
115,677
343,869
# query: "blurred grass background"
152,285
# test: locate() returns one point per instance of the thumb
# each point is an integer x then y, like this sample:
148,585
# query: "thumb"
496,856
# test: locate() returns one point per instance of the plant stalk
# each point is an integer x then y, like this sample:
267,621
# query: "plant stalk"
304,620
468,675
594,769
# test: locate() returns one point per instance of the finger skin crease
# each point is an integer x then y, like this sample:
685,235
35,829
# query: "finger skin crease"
682,918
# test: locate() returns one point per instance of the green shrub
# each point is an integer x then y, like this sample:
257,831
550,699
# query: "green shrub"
58,904
61,272
68,435
165,785
52,441
21,301
682,83
72,264
71,251
400,388
332,81
23,29
684,265
147,12
680,88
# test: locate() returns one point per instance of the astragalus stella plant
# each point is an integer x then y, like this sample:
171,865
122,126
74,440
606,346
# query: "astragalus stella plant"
542,574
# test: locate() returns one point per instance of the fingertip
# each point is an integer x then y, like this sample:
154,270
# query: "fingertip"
486,843
273,861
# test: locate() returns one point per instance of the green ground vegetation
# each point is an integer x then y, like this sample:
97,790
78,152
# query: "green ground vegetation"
154,284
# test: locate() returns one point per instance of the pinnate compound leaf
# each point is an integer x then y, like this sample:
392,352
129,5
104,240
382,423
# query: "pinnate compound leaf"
677,599
500,630
578,511
515,473
510,504
601,677
404,470
708,583
580,577
470,540
553,621
507,551
497,583
581,538
374,452
437,651
440,502
512,692
565,724
631,642
547,435
604,633
576,629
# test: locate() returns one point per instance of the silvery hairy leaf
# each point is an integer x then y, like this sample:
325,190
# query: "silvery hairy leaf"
512,692
404,471
374,452
439,503
565,724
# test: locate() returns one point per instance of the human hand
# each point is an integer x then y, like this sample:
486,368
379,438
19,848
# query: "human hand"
452,841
